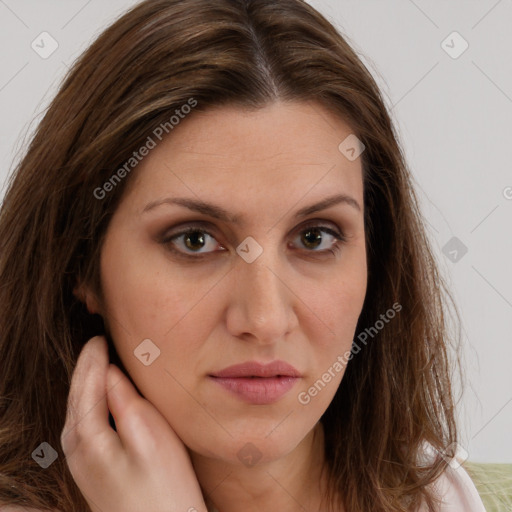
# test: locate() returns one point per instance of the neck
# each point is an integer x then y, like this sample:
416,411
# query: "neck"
297,480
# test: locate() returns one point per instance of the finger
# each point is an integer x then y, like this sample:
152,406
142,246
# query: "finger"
87,412
122,401
137,421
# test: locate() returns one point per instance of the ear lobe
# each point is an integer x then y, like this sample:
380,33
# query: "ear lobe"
85,295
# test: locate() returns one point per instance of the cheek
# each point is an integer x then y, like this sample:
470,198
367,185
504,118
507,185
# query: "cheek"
340,304
147,298
143,298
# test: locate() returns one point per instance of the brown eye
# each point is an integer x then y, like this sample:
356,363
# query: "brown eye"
192,241
312,238
195,240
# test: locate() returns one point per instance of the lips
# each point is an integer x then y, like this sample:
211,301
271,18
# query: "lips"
256,383
255,369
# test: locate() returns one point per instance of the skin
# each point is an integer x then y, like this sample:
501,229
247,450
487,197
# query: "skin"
292,303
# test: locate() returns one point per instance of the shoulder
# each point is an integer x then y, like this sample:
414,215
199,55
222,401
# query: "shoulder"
457,491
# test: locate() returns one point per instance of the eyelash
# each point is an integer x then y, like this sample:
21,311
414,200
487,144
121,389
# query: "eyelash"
334,249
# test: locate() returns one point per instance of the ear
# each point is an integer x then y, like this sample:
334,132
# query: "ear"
84,294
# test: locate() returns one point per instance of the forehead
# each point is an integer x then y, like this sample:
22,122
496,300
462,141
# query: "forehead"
284,150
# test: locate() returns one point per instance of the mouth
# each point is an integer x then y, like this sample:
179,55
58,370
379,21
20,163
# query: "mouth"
256,383
253,369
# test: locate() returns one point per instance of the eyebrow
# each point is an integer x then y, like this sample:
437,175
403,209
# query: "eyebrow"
220,213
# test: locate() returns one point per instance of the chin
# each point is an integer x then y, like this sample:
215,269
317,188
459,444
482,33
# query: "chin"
251,447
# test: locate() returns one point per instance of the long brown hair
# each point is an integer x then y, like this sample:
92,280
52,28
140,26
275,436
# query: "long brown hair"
396,393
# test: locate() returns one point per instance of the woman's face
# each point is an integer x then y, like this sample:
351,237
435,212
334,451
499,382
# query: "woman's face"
259,279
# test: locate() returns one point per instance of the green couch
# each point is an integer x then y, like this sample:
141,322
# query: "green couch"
494,484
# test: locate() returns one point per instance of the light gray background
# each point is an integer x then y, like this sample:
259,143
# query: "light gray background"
454,117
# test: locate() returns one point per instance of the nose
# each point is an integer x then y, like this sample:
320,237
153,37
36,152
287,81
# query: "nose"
262,302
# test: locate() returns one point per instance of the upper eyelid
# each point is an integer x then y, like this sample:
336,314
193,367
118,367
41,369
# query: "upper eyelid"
206,227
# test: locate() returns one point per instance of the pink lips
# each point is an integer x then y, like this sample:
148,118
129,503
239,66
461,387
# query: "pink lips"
257,383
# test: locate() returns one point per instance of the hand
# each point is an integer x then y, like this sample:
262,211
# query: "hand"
142,466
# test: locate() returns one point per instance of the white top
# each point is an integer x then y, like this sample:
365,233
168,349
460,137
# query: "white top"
457,491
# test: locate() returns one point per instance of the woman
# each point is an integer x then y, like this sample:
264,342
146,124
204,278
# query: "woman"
217,292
